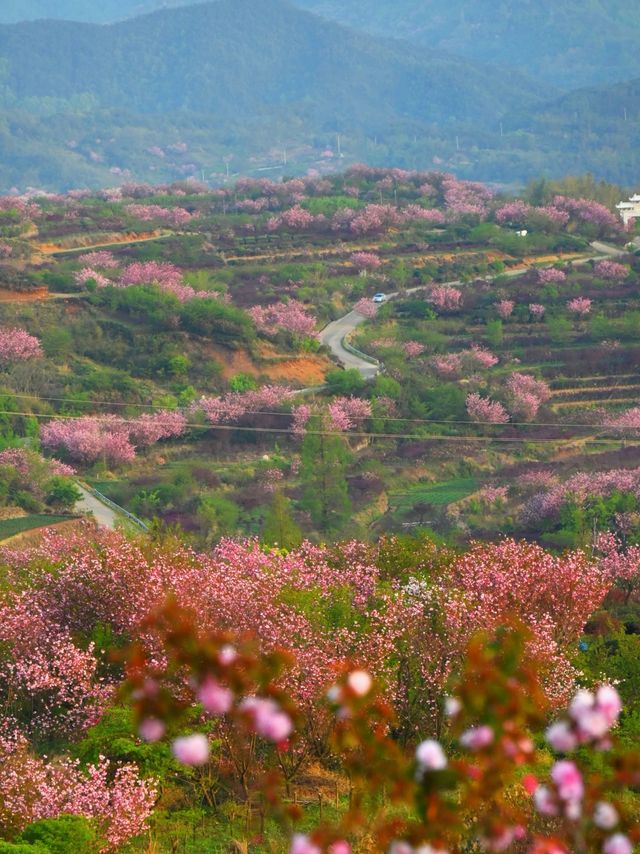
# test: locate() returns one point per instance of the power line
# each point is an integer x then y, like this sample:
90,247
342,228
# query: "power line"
453,421
353,433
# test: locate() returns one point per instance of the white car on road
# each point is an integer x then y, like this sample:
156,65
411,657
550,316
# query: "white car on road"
378,298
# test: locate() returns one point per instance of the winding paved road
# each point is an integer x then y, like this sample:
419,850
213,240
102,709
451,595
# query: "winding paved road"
104,516
333,336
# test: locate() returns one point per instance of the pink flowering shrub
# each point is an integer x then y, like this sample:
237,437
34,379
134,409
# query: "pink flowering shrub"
154,213
526,395
413,349
108,437
626,424
6,250
492,495
465,198
580,306
446,298
375,219
291,316
514,213
455,365
232,407
579,488
88,274
366,307
295,219
482,410
34,788
366,262
611,271
102,259
16,345
588,212
537,311
551,276
505,308
347,413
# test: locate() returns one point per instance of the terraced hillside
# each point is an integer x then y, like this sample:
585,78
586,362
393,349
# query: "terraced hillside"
170,352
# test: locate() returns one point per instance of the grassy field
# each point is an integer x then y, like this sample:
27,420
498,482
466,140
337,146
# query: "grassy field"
11,527
439,494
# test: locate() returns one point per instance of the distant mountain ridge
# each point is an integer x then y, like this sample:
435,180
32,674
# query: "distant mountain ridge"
239,58
254,86
568,43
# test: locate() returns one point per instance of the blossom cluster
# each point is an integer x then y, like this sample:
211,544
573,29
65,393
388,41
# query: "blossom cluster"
110,437
467,361
526,394
578,488
231,408
446,297
16,345
483,410
155,213
291,316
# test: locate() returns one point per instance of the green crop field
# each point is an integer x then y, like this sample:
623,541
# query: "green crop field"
11,527
439,494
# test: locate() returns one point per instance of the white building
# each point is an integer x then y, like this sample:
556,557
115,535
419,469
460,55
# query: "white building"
630,210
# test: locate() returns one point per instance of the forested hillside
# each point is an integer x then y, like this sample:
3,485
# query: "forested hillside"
564,42
230,88
233,60
568,43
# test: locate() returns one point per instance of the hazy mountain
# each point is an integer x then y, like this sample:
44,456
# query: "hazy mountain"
568,43
104,11
236,58
187,91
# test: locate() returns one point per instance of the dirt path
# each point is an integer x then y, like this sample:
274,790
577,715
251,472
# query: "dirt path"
55,249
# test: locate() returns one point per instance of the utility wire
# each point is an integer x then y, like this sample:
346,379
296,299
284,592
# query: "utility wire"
389,418
354,433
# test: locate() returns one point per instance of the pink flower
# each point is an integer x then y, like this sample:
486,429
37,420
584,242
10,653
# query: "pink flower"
227,655
216,699
482,410
544,801
151,730
617,844
477,737
593,724
268,718
609,703
452,707
360,682
505,308
579,306
582,702
301,844
340,847
568,779
191,749
431,756
605,816
561,737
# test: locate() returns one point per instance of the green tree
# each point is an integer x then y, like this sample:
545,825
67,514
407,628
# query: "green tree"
559,328
345,382
62,493
325,458
62,835
280,528
494,333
